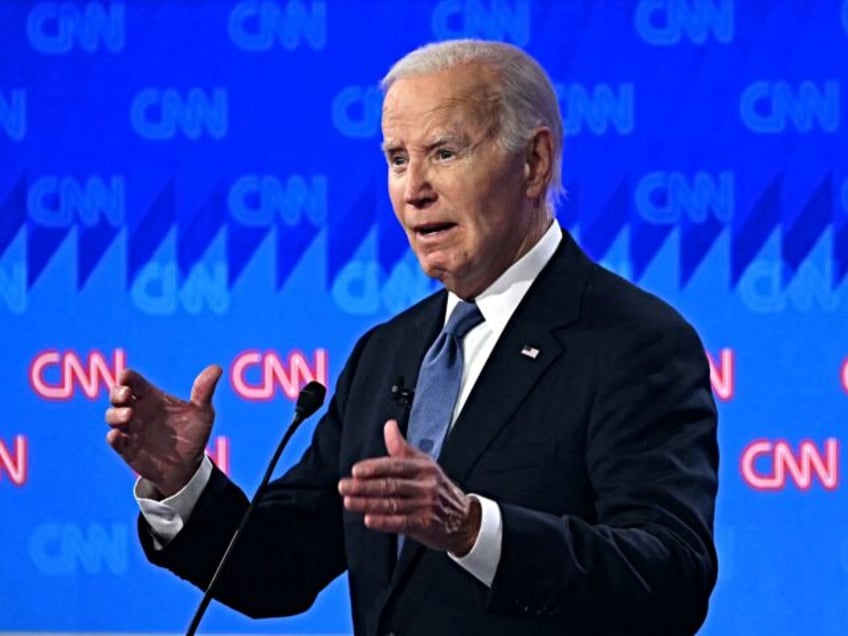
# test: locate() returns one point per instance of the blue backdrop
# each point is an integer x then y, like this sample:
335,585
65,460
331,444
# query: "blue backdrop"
184,183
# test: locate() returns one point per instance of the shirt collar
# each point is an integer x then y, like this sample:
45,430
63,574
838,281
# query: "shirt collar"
499,300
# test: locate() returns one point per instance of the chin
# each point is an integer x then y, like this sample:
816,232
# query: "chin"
437,273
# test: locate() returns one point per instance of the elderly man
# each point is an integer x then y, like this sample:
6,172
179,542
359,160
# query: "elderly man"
557,471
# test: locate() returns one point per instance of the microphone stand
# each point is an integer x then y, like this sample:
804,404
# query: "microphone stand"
309,401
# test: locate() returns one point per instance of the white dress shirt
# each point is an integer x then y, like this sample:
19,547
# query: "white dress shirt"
497,304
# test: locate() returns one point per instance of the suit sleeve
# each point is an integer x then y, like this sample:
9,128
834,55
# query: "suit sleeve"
646,563
292,547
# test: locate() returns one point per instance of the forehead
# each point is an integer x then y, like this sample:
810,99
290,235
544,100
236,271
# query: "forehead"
463,98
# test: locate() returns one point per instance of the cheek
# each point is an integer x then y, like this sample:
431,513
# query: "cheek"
396,198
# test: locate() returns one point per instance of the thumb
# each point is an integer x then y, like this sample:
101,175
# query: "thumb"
395,442
204,385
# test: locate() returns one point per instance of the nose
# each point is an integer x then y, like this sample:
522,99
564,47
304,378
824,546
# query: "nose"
418,190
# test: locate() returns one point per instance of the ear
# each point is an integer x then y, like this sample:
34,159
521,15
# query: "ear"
538,163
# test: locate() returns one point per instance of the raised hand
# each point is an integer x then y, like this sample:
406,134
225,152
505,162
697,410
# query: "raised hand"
407,492
161,437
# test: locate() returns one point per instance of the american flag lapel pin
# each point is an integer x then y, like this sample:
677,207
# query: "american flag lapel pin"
530,352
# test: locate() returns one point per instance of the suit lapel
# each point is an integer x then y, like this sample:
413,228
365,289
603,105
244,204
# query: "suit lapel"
504,383
552,303
525,351
494,398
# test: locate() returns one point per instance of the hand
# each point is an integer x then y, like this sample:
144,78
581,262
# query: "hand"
407,492
160,436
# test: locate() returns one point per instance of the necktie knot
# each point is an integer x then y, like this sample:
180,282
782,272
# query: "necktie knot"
464,318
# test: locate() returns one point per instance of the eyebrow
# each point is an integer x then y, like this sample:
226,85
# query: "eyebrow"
391,146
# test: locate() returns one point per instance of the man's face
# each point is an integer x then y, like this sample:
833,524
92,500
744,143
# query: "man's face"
463,201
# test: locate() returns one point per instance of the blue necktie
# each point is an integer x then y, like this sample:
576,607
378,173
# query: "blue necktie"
438,381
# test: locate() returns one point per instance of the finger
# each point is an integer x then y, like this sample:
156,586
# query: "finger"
384,505
383,487
417,524
395,442
389,467
398,524
136,382
120,395
204,385
118,416
118,440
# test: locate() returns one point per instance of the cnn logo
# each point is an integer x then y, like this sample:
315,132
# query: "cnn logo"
61,376
257,375
773,465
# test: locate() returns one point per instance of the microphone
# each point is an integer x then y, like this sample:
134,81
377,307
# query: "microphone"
403,397
309,400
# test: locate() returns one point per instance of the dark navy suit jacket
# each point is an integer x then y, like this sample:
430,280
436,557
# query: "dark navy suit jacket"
601,453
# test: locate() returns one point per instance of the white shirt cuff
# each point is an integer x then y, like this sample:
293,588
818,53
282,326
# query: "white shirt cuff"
484,556
167,517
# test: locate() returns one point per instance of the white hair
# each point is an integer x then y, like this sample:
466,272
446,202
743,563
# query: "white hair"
527,98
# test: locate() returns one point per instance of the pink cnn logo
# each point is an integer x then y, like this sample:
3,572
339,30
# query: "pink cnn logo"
61,376
772,465
257,375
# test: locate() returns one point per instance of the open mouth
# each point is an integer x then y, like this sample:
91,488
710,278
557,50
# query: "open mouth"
429,229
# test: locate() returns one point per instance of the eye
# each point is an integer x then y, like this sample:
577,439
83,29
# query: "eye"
397,160
444,154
